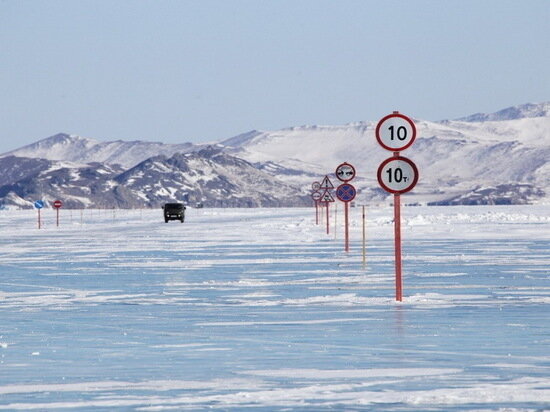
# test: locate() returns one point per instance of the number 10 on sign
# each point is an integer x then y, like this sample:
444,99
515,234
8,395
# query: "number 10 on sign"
395,132
397,175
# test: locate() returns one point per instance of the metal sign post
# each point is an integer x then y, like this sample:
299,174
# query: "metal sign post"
326,197
346,193
364,240
397,175
316,212
39,204
316,196
57,204
335,221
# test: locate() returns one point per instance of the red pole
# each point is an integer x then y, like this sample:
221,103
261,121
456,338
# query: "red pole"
347,225
316,212
327,218
364,239
397,225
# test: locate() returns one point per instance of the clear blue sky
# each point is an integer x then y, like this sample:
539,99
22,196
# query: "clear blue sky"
177,71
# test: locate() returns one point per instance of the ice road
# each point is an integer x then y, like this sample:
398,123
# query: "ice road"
261,310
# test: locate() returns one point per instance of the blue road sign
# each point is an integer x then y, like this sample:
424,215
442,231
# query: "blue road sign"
39,204
345,192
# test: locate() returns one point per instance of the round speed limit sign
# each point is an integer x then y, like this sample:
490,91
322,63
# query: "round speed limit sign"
397,175
395,132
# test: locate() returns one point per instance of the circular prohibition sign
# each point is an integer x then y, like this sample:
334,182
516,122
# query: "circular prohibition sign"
397,175
345,172
395,132
346,192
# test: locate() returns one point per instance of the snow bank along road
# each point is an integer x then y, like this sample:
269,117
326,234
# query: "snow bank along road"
259,309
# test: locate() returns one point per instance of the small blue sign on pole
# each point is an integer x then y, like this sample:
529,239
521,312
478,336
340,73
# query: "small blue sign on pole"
39,204
346,192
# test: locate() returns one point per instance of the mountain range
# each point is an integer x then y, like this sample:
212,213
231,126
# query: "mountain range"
496,158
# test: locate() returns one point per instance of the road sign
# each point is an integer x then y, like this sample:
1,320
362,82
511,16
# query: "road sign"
316,196
346,192
326,197
39,204
327,184
395,132
315,186
397,175
57,204
345,172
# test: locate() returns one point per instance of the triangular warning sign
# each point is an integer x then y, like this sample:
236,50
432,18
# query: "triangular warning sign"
327,197
326,183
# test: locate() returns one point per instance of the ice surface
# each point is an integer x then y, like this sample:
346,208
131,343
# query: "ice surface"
259,309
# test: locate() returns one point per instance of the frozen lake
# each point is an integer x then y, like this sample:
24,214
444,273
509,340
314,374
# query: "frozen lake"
261,310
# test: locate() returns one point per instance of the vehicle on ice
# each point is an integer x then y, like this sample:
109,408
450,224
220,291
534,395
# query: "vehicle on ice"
174,211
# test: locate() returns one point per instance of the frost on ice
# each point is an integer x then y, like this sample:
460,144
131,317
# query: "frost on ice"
259,309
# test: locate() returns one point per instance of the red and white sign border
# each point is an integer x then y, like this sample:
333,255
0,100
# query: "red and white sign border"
389,116
348,165
401,159
349,185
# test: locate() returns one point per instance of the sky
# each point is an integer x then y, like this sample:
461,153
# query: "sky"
201,71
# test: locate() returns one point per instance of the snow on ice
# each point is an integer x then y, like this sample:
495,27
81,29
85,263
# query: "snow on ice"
259,309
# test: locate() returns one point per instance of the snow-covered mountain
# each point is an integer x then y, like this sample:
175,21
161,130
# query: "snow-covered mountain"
84,150
454,158
208,177
523,111
78,186
501,157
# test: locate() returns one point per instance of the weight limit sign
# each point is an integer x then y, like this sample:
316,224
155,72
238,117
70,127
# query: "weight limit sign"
397,175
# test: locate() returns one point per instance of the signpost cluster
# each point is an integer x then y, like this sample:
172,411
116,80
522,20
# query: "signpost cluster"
327,198
345,192
397,175
39,205
322,196
316,196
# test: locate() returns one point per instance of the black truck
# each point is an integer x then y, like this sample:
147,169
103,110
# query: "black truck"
174,211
